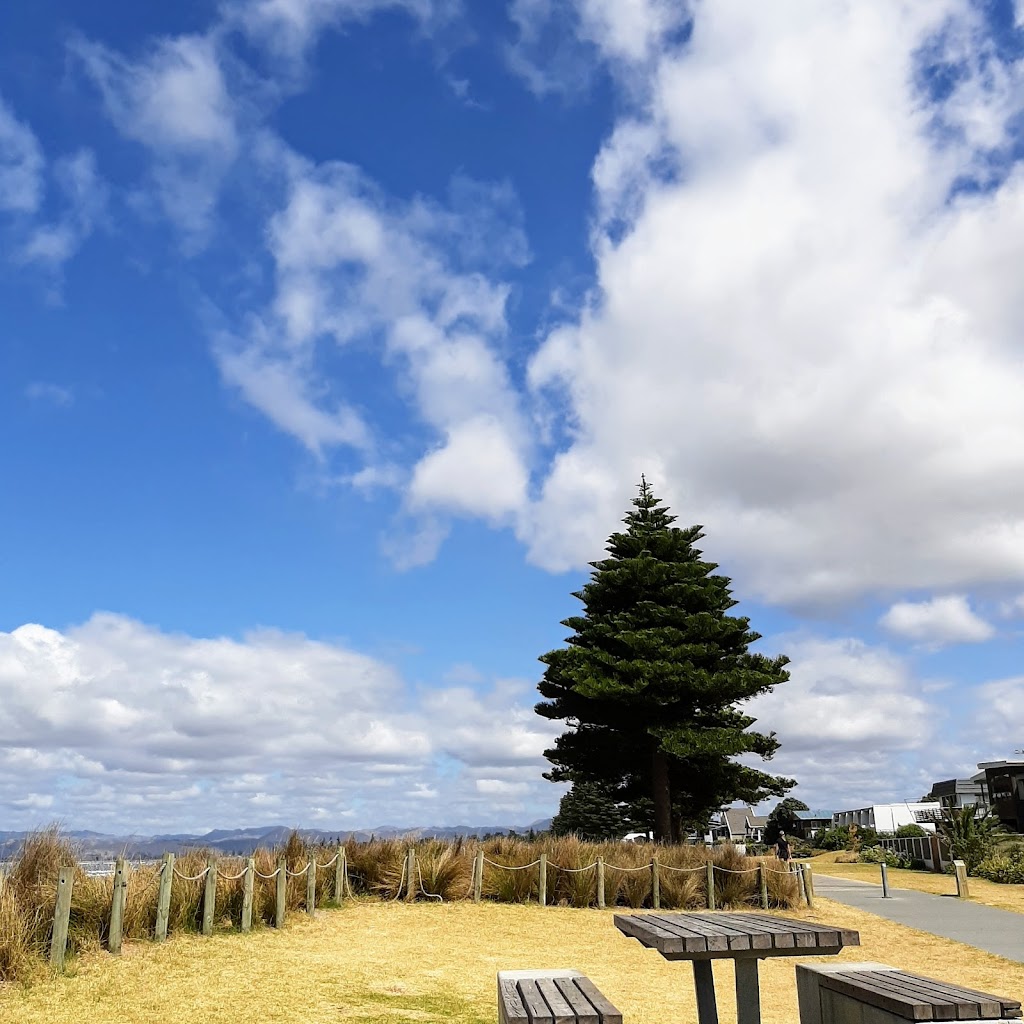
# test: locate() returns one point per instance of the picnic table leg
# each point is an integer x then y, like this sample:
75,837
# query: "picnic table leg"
704,982
748,992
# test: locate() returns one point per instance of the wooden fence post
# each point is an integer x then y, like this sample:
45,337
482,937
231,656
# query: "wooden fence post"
311,886
339,876
800,887
600,883
710,868
762,884
542,881
61,917
247,886
209,895
282,892
478,876
960,873
410,870
117,906
655,885
163,899
805,871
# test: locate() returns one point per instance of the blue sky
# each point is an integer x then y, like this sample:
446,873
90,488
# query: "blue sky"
337,333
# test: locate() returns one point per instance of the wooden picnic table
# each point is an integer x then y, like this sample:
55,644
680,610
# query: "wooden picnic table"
742,938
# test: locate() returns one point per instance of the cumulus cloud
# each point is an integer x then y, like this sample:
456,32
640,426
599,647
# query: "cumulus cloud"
114,724
806,317
940,621
997,722
853,722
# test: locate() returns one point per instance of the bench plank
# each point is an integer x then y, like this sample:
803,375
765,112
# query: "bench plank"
608,1013
536,1008
581,1005
560,1009
918,998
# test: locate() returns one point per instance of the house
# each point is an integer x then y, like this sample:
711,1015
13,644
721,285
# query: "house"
955,794
889,817
810,823
1004,785
739,825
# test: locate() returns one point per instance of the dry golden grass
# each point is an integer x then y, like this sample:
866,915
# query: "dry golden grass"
992,894
372,962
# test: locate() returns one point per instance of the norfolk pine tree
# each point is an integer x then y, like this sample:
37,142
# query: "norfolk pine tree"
652,678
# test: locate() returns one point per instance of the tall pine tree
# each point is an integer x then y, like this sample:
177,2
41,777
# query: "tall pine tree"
653,677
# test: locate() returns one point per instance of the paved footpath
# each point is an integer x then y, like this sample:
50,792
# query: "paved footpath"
989,928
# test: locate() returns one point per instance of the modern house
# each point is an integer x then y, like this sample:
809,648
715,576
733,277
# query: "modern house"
955,794
739,825
1004,783
889,817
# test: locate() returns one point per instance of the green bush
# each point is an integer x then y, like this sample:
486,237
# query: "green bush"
880,855
837,838
1006,867
971,835
910,832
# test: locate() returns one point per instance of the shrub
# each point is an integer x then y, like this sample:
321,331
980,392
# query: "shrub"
837,838
910,832
880,855
1007,866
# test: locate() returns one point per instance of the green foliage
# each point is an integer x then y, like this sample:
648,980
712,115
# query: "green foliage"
783,818
843,837
589,810
971,834
1006,866
910,832
652,679
880,855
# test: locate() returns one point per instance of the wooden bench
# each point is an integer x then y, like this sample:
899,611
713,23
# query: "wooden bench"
871,993
552,997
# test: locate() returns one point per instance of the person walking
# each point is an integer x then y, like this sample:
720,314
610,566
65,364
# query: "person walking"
782,850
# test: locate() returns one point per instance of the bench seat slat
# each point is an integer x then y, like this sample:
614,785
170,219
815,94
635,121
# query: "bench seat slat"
607,1012
581,1005
918,998
552,997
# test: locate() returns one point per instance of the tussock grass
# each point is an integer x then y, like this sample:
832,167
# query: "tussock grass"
376,869
382,963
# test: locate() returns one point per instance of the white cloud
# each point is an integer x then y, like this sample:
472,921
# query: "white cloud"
1012,608
798,334
997,722
47,391
113,724
356,269
940,621
852,721
35,235
176,102
21,164
288,28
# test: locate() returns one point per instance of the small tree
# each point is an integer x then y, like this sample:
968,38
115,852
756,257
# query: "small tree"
590,811
971,834
784,819
655,677
910,832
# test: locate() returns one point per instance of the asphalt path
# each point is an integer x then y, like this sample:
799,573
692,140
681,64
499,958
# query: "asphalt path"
988,928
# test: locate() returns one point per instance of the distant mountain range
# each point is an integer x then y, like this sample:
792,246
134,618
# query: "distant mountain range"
242,841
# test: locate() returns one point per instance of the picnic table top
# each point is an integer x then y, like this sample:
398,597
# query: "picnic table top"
689,936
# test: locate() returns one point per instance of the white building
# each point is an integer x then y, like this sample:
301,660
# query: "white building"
889,817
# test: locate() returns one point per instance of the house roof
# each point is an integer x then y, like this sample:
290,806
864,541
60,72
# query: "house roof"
739,819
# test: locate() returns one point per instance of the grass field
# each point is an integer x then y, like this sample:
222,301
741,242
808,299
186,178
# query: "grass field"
993,894
372,962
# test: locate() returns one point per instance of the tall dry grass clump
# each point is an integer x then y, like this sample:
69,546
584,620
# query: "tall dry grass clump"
375,869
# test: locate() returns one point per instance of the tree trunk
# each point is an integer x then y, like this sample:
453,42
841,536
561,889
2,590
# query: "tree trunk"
662,797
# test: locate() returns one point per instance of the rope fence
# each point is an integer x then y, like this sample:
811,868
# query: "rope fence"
411,884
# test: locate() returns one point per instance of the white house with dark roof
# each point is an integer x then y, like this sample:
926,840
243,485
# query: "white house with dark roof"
739,825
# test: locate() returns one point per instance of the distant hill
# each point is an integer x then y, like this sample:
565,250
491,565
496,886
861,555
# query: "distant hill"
242,841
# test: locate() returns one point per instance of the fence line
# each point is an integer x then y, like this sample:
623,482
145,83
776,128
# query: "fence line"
410,880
